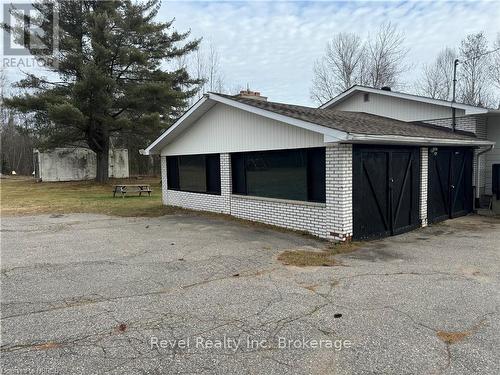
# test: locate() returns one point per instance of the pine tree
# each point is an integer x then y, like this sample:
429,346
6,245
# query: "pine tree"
110,75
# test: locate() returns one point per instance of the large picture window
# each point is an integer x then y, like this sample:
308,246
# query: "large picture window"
285,174
194,173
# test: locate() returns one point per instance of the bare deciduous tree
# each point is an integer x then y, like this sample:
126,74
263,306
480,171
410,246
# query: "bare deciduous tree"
340,67
348,60
15,144
205,65
495,63
474,73
386,56
437,79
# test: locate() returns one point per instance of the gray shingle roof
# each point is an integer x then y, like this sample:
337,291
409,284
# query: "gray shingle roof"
355,122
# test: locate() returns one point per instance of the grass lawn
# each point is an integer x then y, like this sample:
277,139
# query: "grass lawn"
24,196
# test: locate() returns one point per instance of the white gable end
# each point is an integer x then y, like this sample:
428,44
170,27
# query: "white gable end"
396,108
227,129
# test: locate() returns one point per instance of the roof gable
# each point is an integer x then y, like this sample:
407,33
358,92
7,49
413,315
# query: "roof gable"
209,100
469,109
335,126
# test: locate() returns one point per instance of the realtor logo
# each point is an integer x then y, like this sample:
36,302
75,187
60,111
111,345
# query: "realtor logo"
25,35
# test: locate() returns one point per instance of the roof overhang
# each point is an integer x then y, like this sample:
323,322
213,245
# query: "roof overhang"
330,135
209,100
417,141
469,109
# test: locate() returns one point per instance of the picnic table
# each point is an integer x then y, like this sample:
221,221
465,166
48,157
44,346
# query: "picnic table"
139,188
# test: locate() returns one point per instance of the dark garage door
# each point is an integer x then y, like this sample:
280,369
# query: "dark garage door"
386,186
450,183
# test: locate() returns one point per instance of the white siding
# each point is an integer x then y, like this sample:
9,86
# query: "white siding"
227,129
493,156
401,109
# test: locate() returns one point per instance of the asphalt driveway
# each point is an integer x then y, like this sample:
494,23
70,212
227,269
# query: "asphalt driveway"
185,294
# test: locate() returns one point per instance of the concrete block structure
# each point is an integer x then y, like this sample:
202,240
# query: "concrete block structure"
76,164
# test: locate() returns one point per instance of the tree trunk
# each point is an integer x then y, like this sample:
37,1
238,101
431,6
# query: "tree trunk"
102,165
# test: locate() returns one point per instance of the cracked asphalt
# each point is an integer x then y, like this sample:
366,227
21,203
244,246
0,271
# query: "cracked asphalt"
90,294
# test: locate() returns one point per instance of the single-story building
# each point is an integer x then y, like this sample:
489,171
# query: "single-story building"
77,164
483,122
335,174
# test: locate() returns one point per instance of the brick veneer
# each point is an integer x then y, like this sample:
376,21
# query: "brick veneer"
198,201
339,191
466,123
332,220
424,173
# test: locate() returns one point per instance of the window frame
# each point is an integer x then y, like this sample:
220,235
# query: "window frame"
208,159
239,160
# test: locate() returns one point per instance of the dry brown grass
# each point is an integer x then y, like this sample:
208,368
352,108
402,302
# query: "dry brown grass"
306,258
322,258
24,196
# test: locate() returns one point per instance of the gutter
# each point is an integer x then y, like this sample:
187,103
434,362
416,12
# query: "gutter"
423,141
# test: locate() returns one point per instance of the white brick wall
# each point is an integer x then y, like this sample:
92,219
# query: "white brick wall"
309,217
465,123
332,219
164,187
339,191
198,201
225,182
424,173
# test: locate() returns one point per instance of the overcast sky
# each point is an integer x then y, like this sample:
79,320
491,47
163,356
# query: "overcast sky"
272,45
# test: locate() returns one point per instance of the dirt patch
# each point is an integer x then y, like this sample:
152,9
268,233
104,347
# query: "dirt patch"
312,288
317,258
305,258
343,247
47,345
452,337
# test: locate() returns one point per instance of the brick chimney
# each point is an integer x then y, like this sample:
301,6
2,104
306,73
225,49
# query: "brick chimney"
247,94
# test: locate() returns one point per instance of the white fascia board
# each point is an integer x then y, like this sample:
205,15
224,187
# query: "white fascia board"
397,139
329,133
150,149
339,98
469,109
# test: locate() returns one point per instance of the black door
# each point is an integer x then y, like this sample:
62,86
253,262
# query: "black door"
450,183
386,186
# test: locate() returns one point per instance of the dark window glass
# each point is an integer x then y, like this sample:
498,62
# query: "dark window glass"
238,173
194,173
173,172
287,174
316,189
213,173
280,174
495,183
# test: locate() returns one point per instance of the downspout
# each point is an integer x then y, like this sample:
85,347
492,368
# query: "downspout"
478,174
453,100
